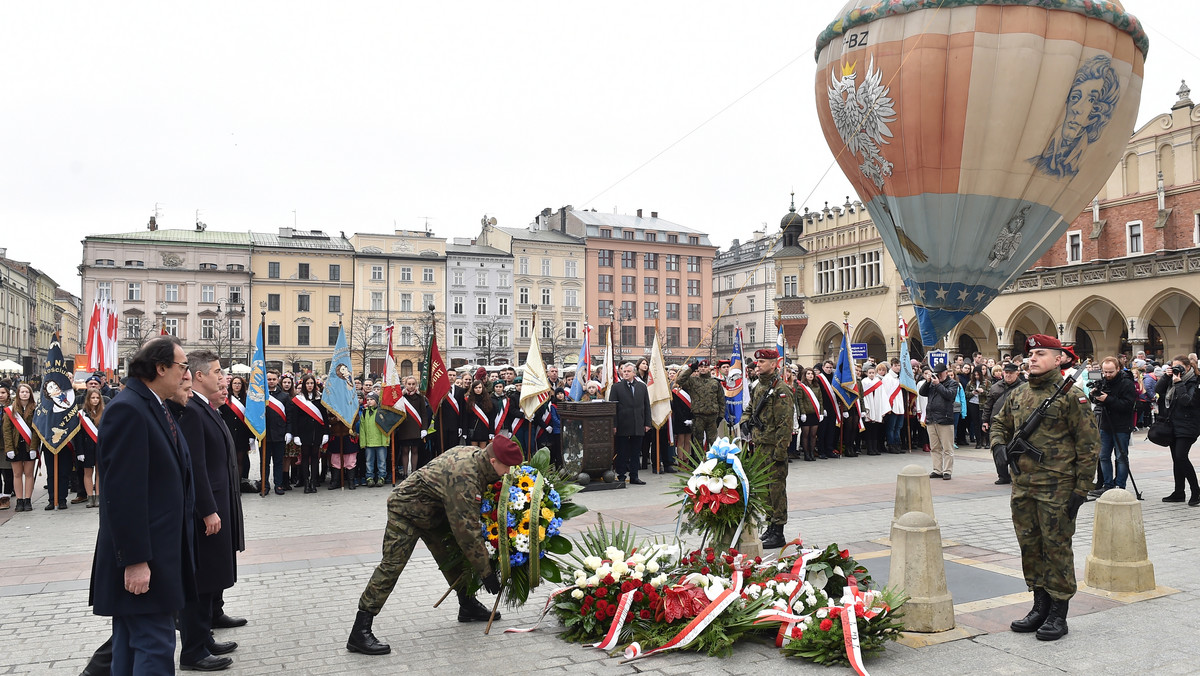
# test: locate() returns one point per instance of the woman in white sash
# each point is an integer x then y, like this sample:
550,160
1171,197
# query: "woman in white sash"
21,445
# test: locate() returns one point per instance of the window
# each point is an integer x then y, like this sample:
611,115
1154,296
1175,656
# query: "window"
826,279
481,278
627,234
273,271
651,236
406,274
523,264
1074,246
693,287
524,329
672,263
332,336
523,295
650,285
406,335
751,299
693,337
545,267
481,338
427,275
729,284
604,283
426,301
232,267
870,272
1133,238
650,261
693,312
105,262
547,329
693,240
235,294
672,239
376,335
648,335
628,336
628,308
171,293
406,302
235,329
502,307
376,273
335,273
570,269
672,310
208,329
458,277
273,334
503,279
693,264
604,258
273,302
570,298
133,327
629,259
750,278
606,233
628,284
481,306
377,301
458,304
750,331
849,272
649,310
302,271
335,303
546,299
208,293
456,338
672,336
790,285
134,292
135,264
302,333
172,326
604,307
104,290
501,337
302,302
1196,229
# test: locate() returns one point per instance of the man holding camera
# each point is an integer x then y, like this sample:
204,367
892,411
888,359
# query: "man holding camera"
1047,494
940,419
1115,398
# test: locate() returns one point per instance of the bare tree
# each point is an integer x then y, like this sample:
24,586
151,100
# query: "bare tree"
218,339
488,336
133,340
422,330
363,339
554,342
712,339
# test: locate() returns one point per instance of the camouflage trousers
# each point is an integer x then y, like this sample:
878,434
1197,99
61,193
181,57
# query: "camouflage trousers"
704,429
1044,531
777,501
399,539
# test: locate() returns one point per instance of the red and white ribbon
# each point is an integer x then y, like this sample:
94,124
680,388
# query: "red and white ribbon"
850,632
452,399
308,407
411,410
88,426
694,628
238,408
276,406
20,424
500,416
614,630
483,417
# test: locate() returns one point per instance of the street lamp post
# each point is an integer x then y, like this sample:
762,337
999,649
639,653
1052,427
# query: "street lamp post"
162,308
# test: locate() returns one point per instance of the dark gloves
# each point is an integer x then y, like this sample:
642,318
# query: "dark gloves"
491,583
1001,451
1074,504
694,364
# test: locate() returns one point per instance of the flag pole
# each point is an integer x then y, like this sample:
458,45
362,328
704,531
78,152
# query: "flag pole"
262,442
328,451
437,414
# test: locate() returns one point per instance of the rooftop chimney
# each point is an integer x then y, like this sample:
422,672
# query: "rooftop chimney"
653,214
639,213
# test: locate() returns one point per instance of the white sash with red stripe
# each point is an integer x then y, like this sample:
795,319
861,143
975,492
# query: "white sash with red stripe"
833,399
309,407
452,399
89,426
682,394
277,406
483,417
812,399
20,424
238,408
411,410
500,416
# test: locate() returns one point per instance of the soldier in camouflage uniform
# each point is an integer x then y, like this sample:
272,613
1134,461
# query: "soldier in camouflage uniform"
708,401
1046,496
441,498
771,415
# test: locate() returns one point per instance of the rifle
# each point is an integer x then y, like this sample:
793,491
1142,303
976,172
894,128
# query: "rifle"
1019,445
755,421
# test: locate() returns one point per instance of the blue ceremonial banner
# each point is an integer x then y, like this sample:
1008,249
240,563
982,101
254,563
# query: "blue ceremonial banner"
907,380
780,347
736,394
844,382
583,367
339,396
56,418
256,390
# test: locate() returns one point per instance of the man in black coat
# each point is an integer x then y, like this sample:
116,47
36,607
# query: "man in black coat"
274,442
142,571
633,422
1115,397
218,513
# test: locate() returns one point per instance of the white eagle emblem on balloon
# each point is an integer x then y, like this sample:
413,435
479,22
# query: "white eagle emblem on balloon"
861,115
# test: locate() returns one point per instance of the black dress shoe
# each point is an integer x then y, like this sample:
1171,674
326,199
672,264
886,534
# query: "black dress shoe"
1002,482
226,622
222,648
210,663
637,482
471,610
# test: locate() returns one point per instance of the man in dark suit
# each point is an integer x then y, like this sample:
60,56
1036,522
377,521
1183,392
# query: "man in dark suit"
218,513
142,572
276,438
633,422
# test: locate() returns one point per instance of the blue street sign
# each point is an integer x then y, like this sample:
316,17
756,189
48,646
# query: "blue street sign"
858,351
938,357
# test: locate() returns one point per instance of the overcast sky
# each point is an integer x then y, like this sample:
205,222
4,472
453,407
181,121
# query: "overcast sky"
357,116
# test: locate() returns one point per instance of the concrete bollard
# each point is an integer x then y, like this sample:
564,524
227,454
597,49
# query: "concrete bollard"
1118,561
912,492
917,568
749,543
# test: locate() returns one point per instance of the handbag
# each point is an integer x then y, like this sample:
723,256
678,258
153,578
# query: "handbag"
1161,432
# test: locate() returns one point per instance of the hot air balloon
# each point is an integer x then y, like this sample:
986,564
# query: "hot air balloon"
976,130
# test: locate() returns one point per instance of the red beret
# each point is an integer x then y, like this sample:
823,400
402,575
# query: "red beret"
766,353
481,373
1042,341
506,450
703,362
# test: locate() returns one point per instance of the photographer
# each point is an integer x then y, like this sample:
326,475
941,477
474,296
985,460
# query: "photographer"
1180,404
1115,396
942,391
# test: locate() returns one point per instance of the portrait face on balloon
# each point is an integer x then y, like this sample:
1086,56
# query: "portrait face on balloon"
1089,106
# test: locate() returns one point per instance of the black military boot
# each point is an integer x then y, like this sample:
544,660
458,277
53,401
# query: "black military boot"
362,640
1055,626
1036,617
773,538
471,610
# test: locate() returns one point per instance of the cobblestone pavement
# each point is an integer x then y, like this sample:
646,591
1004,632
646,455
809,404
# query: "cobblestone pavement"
308,558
